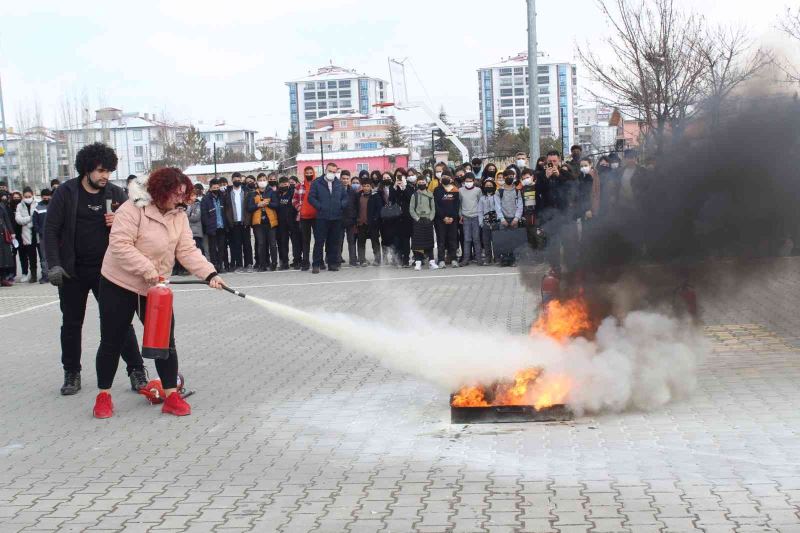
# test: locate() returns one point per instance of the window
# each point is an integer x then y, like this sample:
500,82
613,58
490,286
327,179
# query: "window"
345,103
218,137
519,101
544,100
323,114
310,96
362,166
521,112
309,146
321,85
519,91
309,136
345,94
333,105
310,86
380,84
542,70
544,90
138,151
322,105
544,110
331,94
519,80
506,92
506,112
139,166
332,85
545,121
543,80
321,95
505,82
311,116
517,70
137,135
506,71
506,102
344,83
311,105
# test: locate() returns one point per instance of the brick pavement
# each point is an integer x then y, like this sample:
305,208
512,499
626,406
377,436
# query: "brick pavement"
292,433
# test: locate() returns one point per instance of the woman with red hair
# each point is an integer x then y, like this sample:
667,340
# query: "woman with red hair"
148,234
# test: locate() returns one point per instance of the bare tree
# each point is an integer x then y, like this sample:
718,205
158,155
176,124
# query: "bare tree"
32,146
657,73
729,62
790,25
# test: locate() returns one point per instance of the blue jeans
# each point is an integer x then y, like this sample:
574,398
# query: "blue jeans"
472,238
327,233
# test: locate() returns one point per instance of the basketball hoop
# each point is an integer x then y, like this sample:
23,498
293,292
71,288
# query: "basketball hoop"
383,104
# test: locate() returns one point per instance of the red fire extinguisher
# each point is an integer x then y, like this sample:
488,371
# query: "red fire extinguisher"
157,322
551,287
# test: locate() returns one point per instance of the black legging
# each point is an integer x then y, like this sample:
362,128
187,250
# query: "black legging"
117,307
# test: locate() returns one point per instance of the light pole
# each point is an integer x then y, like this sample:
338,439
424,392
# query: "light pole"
533,85
6,155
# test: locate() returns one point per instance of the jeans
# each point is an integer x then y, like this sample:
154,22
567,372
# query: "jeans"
306,229
216,249
237,245
28,258
72,295
266,246
472,238
43,260
364,232
446,240
402,240
327,233
117,307
564,235
289,231
247,246
349,236
488,249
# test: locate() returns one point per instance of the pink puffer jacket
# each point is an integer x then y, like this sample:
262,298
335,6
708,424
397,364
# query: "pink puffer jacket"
143,240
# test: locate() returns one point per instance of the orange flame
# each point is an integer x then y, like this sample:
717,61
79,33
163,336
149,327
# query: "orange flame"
532,386
564,320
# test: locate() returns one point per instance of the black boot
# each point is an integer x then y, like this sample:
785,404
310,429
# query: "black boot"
138,378
72,383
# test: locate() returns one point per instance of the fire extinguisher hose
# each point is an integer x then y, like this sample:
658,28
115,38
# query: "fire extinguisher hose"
201,282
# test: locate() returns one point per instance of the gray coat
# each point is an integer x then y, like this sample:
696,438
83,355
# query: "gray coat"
195,215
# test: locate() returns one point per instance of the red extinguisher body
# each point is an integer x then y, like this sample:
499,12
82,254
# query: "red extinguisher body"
157,322
551,287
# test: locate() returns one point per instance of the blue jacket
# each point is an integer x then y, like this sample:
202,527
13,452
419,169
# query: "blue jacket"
330,204
39,220
209,216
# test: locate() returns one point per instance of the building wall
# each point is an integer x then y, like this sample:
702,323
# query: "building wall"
241,141
503,93
356,165
351,133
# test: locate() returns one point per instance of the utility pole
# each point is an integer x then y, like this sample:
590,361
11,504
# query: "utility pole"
6,155
533,86
321,156
214,147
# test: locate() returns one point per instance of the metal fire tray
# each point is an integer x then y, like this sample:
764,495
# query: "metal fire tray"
500,414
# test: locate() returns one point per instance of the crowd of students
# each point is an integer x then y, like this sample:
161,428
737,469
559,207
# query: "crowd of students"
437,218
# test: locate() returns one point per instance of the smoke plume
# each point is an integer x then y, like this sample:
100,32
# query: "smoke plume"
642,361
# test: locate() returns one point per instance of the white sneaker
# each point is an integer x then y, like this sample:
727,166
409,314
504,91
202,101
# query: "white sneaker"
25,278
442,265
417,265
433,265
454,264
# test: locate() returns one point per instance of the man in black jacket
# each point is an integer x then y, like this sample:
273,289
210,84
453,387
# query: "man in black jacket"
79,219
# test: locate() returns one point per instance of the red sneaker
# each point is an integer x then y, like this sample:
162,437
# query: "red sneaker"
103,406
175,405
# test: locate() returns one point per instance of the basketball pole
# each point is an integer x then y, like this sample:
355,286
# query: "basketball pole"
533,86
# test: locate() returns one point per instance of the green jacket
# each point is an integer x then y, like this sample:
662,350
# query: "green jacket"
422,206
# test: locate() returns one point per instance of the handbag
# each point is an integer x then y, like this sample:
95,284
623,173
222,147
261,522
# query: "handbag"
391,211
8,236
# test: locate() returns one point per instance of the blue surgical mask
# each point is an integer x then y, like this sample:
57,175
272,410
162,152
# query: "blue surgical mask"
355,186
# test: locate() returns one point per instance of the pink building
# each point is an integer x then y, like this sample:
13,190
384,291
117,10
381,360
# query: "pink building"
356,161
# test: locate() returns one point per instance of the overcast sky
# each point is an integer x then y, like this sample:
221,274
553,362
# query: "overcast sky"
214,60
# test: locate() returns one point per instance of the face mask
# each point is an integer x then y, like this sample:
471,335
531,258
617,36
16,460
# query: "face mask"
490,173
445,181
309,178
262,184
273,183
28,201
237,184
438,175
376,181
215,193
469,184
222,188
520,163
251,185
330,176
387,181
422,186
355,186
527,181
586,170
411,179
614,165
283,188
489,190
44,201
501,182
475,169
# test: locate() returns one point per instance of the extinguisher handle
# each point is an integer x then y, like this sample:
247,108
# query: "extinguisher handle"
203,282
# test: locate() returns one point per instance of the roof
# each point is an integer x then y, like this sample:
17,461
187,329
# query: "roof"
332,72
225,168
122,122
354,154
217,128
521,60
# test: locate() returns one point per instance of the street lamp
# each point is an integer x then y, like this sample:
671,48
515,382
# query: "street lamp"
533,85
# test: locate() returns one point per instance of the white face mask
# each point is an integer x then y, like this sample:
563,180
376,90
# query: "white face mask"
412,179
501,182
520,163
223,187
614,165
527,181
28,201
469,184
262,184
330,176
586,170
438,175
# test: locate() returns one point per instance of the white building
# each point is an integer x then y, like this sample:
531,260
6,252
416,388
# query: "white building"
349,131
272,147
332,90
138,139
503,93
225,136
595,135
34,158
203,173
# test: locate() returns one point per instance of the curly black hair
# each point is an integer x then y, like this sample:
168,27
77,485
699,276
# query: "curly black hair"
95,155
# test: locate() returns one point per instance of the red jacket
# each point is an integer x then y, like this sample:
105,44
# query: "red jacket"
305,211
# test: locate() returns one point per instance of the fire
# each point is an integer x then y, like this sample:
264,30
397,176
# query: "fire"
564,320
532,386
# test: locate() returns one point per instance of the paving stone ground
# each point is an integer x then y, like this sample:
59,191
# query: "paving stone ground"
290,432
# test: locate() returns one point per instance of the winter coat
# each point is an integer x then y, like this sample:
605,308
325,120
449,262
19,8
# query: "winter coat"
374,206
39,220
208,215
7,259
350,214
487,205
24,217
287,214
230,218
448,203
305,211
469,201
260,215
62,213
145,241
329,203
422,205
498,203
195,214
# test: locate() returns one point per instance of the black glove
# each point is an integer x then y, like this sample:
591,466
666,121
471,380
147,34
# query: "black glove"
56,275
